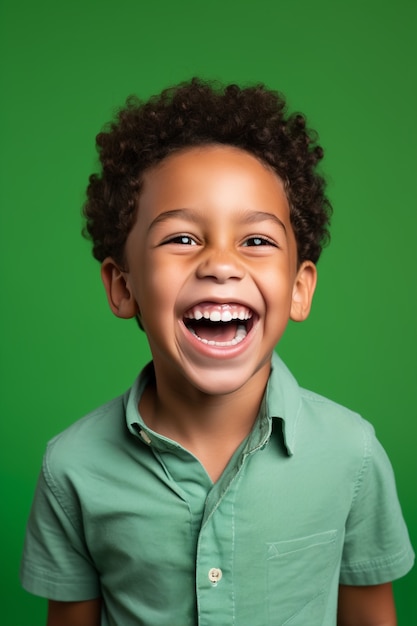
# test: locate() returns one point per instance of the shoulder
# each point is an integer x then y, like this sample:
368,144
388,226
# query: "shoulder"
315,420
101,420
319,408
99,446
108,427
88,441
338,427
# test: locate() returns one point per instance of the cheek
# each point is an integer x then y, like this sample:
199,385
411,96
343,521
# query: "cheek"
157,295
276,283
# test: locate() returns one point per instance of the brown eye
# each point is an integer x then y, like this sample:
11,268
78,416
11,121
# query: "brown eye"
258,241
183,240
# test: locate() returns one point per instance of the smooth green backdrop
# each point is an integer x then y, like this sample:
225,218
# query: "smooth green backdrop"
65,67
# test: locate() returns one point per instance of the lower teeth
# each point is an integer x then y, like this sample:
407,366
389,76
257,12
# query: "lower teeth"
240,335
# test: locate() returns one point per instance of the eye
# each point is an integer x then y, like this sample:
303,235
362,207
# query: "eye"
258,241
182,240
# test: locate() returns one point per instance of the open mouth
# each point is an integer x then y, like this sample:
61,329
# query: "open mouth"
220,325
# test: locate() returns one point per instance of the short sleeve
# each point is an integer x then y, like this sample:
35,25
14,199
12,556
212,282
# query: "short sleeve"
56,563
377,548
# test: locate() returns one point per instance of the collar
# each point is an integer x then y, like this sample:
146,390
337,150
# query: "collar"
281,402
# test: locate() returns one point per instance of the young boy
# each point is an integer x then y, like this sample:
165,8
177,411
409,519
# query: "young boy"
215,491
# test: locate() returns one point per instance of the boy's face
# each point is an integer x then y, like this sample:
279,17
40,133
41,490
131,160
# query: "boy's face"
212,268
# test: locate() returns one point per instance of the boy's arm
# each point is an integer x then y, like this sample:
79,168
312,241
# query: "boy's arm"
366,606
74,613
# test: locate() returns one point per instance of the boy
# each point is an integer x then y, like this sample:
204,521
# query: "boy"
215,491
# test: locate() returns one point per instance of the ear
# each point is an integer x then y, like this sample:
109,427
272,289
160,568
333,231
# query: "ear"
303,291
119,294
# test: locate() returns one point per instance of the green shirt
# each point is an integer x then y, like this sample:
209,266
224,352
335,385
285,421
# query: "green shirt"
306,502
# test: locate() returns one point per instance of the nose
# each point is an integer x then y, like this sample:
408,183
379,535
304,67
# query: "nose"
220,266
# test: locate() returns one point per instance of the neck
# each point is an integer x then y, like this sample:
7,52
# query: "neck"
203,423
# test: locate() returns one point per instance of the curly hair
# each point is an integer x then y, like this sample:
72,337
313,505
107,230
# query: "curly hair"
199,113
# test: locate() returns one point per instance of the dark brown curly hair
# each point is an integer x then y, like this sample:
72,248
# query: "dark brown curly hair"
199,113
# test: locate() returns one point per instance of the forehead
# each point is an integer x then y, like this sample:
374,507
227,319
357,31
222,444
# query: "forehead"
212,173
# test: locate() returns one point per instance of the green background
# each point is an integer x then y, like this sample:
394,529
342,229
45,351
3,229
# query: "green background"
65,68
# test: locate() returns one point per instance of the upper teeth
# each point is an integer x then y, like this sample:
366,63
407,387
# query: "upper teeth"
219,313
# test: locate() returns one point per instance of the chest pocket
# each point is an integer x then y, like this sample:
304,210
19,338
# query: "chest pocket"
298,573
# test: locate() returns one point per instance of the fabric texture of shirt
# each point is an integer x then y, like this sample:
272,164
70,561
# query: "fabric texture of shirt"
308,501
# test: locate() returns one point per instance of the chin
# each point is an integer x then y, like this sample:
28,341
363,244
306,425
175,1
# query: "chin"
220,381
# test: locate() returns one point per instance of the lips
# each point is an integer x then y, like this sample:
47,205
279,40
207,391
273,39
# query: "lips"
220,325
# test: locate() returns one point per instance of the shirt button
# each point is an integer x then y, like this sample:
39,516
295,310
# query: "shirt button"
215,575
145,437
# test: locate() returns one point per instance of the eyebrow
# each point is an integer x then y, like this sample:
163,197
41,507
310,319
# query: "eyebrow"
249,217
254,217
174,213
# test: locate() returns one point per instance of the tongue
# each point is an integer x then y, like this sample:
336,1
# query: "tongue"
215,331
